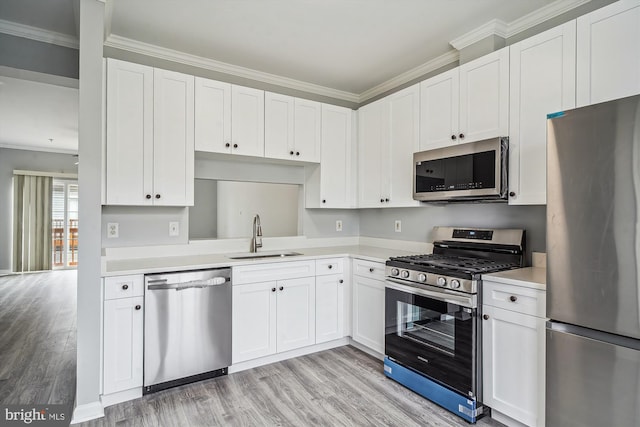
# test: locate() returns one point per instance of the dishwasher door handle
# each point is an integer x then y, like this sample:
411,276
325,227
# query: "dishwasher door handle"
214,281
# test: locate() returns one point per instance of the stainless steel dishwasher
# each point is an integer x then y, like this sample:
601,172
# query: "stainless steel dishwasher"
187,327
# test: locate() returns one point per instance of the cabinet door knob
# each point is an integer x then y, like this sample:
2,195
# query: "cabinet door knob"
297,153
386,200
138,307
453,137
281,288
324,201
485,317
513,298
125,287
148,196
157,196
291,153
461,136
381,200
512,194
371,270
340,281
227,145
235,145
330,266
273,289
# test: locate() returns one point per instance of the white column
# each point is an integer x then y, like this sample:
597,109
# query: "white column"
88,404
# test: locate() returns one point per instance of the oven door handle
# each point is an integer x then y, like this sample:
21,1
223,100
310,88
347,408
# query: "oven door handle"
463,301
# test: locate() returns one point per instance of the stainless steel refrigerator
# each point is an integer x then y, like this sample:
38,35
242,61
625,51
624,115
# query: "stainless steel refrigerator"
593,266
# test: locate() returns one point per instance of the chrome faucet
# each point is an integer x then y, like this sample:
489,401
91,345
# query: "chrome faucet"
256,240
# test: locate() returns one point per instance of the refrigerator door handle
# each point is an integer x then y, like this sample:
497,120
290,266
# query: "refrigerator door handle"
594,335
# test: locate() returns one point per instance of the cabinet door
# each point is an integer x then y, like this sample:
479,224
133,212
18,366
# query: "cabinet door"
247,121
608,57
129,168
368,312
329,307
372,158
513,358
212,116
336,165
404,140
484,97
123,343
296,313
173,125
278,126
254,321
439,102
307,130
542,81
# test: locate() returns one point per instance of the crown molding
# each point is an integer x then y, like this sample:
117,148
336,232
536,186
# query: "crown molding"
414,73
35,76
159,52
493,27
504,30
38,148
38,34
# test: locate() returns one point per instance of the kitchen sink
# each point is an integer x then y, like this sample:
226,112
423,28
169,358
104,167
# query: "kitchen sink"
258,255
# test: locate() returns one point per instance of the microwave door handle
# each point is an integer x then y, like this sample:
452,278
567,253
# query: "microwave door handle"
440,296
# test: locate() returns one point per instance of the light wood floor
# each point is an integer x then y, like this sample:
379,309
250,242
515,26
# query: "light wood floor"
339,387
38,338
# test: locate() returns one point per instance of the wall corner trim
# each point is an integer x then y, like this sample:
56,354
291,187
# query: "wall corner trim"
87,412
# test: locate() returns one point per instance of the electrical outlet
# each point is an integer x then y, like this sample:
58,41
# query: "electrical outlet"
338,225
174,229
112,230
398,226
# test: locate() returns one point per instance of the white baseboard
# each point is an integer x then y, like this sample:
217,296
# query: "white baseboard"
249,364
87,412
121,396
505,419
366,349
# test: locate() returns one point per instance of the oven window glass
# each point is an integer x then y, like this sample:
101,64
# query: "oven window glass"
428,327
467,172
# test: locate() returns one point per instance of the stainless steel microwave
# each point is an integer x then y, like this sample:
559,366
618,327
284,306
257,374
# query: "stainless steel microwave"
471,172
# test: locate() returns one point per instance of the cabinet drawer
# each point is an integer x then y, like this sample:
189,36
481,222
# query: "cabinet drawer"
329,266
515,298
276,271
363,268
123,286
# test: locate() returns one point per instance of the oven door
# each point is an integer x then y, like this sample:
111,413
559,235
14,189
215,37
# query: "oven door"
434,333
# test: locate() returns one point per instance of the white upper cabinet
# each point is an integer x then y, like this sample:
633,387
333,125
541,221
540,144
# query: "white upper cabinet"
332,183
468,103
542,82
150,143
229,118
608,56
173,148
292,128
439,102
484,97
388,137
247,121
213,116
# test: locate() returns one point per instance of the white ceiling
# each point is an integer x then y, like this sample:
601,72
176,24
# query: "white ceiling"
31,113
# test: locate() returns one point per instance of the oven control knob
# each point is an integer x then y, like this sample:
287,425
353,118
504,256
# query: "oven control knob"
405,274
455,284
422,277
442,281
395,271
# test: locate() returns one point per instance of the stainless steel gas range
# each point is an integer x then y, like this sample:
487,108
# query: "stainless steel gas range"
432,314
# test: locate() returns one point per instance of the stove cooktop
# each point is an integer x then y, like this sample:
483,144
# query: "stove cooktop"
455,266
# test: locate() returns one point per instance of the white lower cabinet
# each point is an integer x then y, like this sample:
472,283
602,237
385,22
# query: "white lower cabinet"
329,307
513,357
123,334
368,305
271,317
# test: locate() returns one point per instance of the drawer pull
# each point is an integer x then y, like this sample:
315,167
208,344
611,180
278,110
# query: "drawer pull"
330,266
138,307
281,288
125,287
513,298
371,270
485,317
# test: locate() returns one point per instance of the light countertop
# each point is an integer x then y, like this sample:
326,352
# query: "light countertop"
117,267
530,277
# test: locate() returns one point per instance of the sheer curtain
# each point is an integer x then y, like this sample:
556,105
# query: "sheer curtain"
31,223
